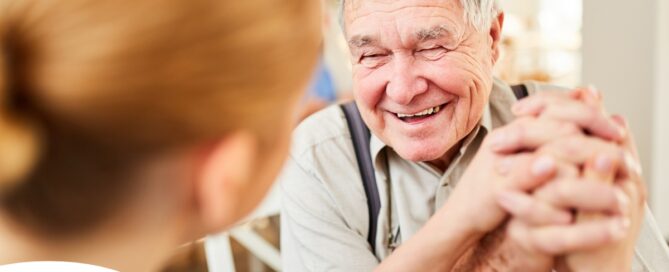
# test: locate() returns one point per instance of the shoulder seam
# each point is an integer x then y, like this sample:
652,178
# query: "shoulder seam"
311,146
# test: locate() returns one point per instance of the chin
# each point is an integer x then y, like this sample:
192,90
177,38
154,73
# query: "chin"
420,152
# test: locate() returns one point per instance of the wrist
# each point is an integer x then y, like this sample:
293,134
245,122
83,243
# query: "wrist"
456,228
458,219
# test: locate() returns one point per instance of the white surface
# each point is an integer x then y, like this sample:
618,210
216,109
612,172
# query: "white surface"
260,248
219,253
53,266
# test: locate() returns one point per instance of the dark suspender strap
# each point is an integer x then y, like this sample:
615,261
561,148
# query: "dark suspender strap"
360,136
520,91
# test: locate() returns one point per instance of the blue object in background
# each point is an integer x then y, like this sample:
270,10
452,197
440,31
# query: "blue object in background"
321,86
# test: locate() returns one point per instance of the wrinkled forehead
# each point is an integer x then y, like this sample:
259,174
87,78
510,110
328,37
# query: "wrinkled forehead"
411,17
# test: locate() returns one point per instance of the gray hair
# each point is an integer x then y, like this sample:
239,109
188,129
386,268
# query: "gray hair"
478,13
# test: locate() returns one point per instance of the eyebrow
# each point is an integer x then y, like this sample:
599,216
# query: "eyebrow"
433,33
358,41
426,34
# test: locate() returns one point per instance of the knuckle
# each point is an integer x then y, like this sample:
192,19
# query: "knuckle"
491,138
637,191
569,241
517,132
643,193
572,145
611,197
533,242
568,129
523,212
601,147
560,192
519,234
523,123
556,246
495,133
632,165
568,170
591,114
617,155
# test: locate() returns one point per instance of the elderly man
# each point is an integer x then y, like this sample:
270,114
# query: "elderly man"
454,155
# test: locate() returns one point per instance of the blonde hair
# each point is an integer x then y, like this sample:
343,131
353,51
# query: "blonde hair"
88,88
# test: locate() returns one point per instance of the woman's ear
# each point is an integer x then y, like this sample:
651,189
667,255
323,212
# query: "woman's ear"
222,179
496,35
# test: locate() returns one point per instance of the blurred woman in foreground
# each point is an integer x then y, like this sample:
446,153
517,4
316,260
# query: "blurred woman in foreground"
129,127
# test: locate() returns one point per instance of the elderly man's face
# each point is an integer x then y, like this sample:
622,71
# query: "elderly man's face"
422,75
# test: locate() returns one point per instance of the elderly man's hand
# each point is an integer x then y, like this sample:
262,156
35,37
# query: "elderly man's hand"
543,118
473,202
583,107
542,239
495,170
619,256
578,113
619,170
568,147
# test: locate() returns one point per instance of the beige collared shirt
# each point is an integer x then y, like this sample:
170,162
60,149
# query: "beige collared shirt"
324,220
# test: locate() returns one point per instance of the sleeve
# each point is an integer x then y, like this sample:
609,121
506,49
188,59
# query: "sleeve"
651,252
314,232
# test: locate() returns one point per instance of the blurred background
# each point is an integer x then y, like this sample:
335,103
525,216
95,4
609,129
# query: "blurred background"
620,47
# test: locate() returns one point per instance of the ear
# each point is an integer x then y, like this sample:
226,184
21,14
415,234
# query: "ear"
222,178
496,35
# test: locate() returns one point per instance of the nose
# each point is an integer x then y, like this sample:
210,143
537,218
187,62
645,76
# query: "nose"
405,82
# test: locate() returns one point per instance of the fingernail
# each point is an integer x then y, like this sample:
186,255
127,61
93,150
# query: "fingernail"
623,200
603,163
594,91
619,120
618,228
621,132
543,166
633,165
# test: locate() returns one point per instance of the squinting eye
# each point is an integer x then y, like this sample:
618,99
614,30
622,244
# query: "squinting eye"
372,60
433,53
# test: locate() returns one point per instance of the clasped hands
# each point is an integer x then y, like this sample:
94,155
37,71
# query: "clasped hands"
561,185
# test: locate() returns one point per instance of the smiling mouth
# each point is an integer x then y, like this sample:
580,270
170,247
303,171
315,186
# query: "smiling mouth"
420,115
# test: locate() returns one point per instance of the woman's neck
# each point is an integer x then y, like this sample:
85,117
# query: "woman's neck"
150,224
128,245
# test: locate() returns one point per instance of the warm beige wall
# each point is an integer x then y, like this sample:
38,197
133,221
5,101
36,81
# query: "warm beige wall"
618,58
621,44
660,185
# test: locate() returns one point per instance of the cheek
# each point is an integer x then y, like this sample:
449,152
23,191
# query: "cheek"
460,75
463,74
452,80
369,86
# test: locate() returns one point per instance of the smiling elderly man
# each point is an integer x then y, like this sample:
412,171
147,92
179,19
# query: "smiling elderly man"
423,86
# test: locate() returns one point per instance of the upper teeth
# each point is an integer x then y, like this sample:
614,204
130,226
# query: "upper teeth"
422,113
